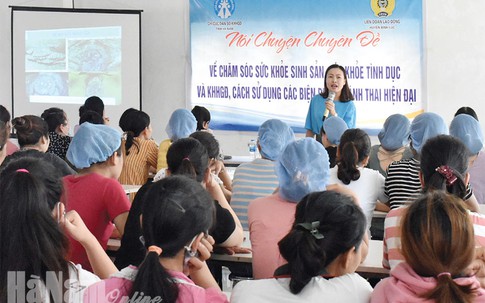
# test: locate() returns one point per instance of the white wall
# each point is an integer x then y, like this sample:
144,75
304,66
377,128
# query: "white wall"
454,61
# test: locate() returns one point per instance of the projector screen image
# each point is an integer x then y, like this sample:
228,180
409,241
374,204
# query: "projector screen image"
73,63
62,57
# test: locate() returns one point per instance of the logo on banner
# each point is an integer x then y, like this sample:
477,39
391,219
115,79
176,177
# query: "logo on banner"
383,8
224,8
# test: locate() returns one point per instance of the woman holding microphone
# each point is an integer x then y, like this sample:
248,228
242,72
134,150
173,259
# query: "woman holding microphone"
323,105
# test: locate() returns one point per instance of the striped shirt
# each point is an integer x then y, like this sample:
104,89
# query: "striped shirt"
136,165
392,236
251,181
402,184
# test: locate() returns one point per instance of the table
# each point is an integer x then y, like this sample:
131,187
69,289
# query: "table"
370,268
129,189
237,160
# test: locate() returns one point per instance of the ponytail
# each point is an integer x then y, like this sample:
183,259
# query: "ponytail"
130,141
448,291
354,147
327,224
443,163
153,280
347,167
188,157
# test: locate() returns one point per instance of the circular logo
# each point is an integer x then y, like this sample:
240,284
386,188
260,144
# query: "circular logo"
224,8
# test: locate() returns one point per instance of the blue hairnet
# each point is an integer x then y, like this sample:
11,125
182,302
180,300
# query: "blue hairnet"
468,130
395,132
426,126
181,124
273,136
334,127
302,168
93,143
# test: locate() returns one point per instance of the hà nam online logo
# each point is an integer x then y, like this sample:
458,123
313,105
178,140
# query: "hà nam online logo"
224,8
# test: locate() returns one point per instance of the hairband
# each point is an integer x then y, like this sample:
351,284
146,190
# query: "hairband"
22,170
186,158
155,249
448,173
443,274
312,228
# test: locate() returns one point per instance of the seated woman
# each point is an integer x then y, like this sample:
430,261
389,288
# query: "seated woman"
444,164
33,138
302,168
203,117
59,137
367,184
438,245
394,138
180,125
176,215
141,151
187,157
30,213
323,249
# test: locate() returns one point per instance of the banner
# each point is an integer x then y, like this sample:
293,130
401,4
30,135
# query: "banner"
254,60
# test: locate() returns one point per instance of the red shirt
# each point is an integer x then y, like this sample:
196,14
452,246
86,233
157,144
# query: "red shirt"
98,200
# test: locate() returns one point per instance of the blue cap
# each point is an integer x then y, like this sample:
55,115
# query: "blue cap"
181,124
334,127
426,126
395,132
273,136
468,130
93,143
302,168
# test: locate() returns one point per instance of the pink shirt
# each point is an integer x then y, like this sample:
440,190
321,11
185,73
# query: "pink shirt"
118,287
98,200
404,285
270,219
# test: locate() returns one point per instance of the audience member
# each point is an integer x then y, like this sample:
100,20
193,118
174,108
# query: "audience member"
394,138
438,246
257,178
140,150
469,131
443,166
323,249
5,118
95,193
203,117
366,183
33,138
58,125
176,215
302,168
180,125
332,130
33,243
216,163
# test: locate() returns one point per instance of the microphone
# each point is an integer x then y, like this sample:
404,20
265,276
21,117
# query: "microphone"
331,97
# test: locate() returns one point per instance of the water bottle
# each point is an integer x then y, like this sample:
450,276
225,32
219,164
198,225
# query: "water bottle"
252,148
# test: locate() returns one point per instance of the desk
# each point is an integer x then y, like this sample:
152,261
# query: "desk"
129,189
113,245
370,268
237,160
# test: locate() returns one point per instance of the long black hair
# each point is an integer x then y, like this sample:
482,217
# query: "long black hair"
188,157
175,210
30,189
342,225
133,122
354,147
440,151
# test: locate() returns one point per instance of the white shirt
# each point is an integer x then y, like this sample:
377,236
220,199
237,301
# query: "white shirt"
369,188
350,288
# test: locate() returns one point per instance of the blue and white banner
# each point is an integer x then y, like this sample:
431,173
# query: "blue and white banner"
253,60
